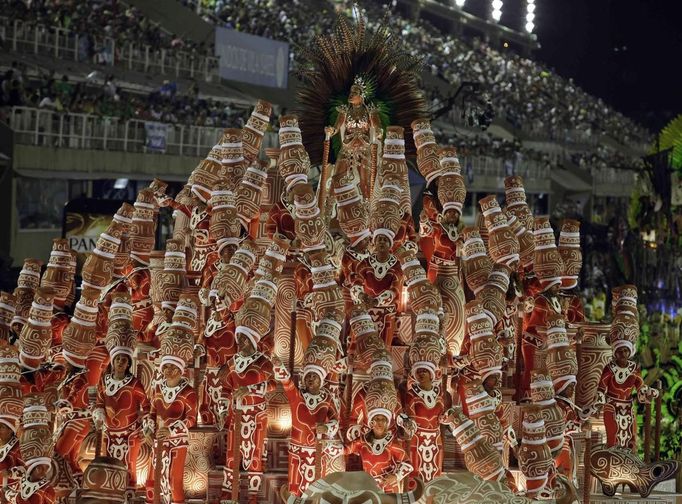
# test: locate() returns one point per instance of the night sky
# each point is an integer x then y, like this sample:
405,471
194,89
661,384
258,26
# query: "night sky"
585,39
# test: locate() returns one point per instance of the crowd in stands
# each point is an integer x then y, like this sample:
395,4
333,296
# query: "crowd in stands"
526,93
605,157
104,97
96,20
293,21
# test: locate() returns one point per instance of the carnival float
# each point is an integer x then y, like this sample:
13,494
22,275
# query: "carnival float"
317,342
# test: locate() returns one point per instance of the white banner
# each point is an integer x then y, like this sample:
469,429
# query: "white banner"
248,58
155,138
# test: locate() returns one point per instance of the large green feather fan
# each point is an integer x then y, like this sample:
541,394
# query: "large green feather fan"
671,138
353,50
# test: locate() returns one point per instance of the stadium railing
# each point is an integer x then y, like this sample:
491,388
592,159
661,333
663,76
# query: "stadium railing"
28,37
47,128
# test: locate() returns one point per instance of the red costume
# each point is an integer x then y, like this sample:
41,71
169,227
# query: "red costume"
532,339
139,281
280,221
36,451
381,458
38,381
73,407
59,322
441,245
303,281
569,248
96,363
616,386
255,373
350,261
307,412
220,344
548,268
440,249
29,492
202,243
122,405
425,407
211,268
573,308
566,462
10,457
383,282
174,408
406,232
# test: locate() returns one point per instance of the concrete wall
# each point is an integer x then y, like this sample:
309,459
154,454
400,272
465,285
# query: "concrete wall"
30,243
94,164
46,162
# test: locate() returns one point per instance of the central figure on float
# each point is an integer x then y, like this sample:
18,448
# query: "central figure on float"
359,128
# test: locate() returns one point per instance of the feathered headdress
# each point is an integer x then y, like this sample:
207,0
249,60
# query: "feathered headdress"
375,62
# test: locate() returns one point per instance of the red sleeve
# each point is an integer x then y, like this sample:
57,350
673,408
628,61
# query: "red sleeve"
228,385
142,399
605,380
576,312
429,205
406,397
291,392
397,452
639,381
99,403
538,316
152,407
358,406
269,376
271,223
190,407
331,413
410,229
345,272
354,447
360,272
45,495
398,280
49,495
81,398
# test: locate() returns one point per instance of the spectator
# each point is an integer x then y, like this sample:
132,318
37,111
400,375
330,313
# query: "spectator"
64,87
49,102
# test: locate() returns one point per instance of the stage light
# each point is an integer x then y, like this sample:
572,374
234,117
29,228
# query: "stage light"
284,422
530,15
460,3
496,10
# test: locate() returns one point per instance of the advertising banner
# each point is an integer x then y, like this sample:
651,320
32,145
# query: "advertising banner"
84,220
251,59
